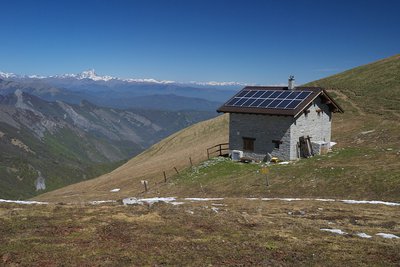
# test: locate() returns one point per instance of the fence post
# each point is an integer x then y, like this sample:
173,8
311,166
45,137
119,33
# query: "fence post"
144,182
165,177
191,163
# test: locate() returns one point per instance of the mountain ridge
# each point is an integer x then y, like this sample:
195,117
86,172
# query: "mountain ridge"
92,75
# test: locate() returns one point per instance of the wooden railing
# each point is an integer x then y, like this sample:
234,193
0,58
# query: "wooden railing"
218,150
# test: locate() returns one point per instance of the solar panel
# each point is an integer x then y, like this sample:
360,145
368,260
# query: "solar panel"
273,99
243,93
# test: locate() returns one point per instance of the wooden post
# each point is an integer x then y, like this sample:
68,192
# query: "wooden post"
266,180
165,177
145,183
176,170
208,154
191,163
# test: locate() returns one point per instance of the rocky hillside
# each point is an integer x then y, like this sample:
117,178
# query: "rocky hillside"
46,145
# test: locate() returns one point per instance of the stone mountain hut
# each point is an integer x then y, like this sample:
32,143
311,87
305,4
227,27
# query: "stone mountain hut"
284,122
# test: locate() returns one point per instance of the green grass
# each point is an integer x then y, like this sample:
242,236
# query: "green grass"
344,173
374,87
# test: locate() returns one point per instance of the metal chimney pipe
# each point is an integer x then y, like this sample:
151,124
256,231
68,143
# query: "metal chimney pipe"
291,82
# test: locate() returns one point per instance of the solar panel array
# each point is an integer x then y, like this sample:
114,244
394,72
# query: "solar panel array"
273,99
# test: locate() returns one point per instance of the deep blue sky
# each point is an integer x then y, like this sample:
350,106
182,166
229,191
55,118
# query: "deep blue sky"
247,41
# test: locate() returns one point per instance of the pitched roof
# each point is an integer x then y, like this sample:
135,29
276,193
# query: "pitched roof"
274,100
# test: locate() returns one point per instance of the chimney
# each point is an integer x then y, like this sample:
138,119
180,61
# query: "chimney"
291,82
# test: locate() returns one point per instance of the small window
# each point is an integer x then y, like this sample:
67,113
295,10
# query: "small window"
248,143
276,143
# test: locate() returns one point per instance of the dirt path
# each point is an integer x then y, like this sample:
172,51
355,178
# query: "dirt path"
348,100
354,105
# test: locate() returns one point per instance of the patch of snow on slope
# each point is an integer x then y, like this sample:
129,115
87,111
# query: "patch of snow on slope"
388,236
150,201
349,201
115,190
22,202
203,199
285,199
95,202
325,199
363,235
175,203
335,231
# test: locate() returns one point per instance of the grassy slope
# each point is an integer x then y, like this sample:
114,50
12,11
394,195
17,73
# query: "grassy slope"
365,163
174,151
374,87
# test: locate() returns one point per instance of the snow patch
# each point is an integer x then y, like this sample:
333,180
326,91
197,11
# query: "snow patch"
22,202
175,203
335,231
285,199
325,199
363,235
388,236
284,163
203,199
95,202
349,201
150,201
115,190
367,132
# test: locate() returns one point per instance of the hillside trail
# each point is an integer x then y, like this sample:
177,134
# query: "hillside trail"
348,100
357,108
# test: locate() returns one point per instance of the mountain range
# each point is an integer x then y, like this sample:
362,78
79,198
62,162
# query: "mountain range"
58,143
120,93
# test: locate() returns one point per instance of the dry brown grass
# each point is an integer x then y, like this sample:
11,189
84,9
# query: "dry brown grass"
174,151
242,233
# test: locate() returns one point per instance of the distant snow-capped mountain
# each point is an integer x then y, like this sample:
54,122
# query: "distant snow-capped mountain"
92,75
7,75
87,74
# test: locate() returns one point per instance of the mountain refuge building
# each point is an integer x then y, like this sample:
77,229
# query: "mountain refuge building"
284,122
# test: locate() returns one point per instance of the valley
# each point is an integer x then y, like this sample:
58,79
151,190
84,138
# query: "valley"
67,143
